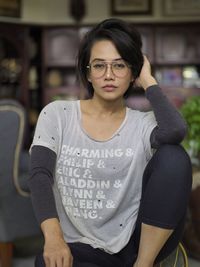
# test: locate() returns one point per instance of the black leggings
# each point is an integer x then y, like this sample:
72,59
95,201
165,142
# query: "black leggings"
166,187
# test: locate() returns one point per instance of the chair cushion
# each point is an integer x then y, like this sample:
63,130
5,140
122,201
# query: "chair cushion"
23,181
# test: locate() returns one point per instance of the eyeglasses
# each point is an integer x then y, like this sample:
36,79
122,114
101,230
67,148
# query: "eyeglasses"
98,68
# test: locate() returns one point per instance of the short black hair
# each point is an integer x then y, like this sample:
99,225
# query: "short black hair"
126,39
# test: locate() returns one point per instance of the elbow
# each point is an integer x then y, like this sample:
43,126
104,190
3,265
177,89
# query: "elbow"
173,136
177,135
180,132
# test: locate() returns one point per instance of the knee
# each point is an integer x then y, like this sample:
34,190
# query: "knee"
39,260
173,159
174,155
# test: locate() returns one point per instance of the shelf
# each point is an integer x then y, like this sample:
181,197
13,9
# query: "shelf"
62,93
177,44
147,35
61,45
169,48
46,58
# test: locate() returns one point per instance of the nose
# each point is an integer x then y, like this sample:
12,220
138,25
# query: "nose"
109,72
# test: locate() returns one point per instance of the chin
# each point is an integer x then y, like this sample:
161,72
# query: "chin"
111,97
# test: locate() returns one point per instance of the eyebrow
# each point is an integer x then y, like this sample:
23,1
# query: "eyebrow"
101,59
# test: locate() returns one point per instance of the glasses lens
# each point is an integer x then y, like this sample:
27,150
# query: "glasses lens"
119,68
98,68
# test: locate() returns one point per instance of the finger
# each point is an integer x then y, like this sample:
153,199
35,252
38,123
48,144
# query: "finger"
71,261
59,262
47,261
52,263
68,261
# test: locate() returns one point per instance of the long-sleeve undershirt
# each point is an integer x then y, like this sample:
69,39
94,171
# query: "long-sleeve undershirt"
171,129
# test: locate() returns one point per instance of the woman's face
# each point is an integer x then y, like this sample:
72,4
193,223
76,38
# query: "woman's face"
109,74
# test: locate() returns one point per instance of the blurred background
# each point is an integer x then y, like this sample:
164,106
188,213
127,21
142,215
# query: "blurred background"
39,40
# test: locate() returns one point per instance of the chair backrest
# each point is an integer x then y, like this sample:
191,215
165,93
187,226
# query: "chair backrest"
12,128
177,259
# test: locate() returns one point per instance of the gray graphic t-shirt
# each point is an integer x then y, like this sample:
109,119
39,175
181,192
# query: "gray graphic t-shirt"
97,183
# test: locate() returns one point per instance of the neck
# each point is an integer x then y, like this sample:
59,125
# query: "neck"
107,107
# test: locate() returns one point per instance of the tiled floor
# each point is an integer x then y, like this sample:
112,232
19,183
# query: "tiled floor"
29,262
26,262
194,263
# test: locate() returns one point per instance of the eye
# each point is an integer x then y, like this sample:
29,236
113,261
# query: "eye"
119,65
98,66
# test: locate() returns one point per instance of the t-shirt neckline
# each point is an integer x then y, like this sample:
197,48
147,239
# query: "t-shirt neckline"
116,133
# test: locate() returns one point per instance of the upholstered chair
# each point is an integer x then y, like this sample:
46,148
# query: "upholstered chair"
17,218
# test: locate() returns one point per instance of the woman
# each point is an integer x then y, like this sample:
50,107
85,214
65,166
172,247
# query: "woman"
109,184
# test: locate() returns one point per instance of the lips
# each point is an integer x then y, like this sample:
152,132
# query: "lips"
109,87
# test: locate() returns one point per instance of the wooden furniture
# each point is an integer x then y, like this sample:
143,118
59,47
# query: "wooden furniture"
46,58
20,71
13,63
171,48
6,254
60,47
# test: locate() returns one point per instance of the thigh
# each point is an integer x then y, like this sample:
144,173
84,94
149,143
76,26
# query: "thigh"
39,262
84,253
166,187
165,192
86,256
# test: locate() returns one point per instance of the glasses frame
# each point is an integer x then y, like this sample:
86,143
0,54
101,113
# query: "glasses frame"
109,63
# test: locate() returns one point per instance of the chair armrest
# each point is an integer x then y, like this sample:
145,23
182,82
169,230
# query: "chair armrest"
23,174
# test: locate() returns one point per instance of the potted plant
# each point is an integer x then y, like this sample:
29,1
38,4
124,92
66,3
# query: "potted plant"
191,112
191,237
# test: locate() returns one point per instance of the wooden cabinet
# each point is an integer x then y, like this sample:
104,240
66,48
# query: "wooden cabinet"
60,47
147,35
174,53
34,88
177,45
37,63
20,69
20,64
13,63
171,48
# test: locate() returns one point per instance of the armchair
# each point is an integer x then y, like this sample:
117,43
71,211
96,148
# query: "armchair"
17,218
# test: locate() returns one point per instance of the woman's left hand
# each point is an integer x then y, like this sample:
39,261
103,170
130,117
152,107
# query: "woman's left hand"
145,78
